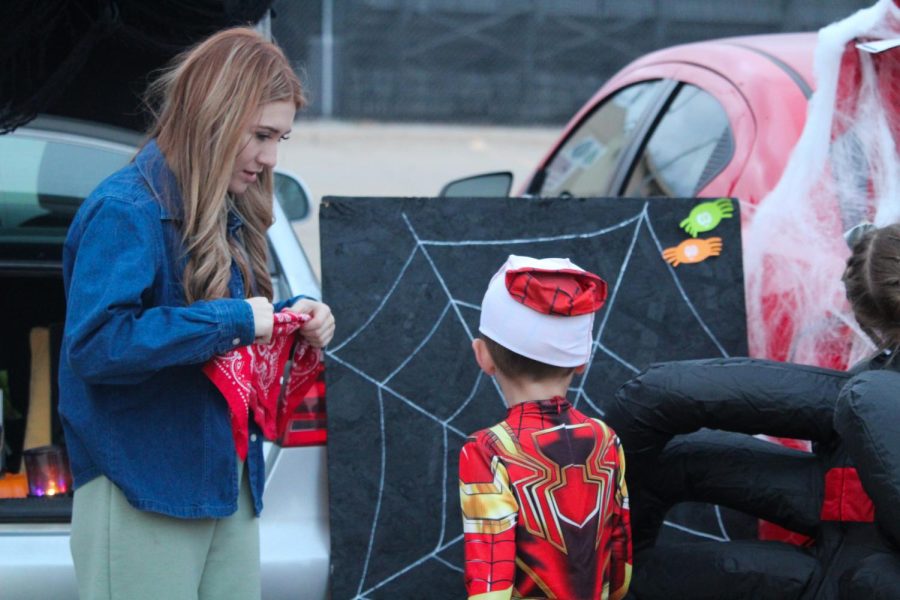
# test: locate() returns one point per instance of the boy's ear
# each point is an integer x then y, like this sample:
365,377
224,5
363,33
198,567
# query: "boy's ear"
580,369
483,357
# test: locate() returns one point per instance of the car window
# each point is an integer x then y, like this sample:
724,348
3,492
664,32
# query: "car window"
691,144
42,183
280,288
586,163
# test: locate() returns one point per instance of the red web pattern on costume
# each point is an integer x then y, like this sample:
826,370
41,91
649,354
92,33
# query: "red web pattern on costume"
568,514
565,292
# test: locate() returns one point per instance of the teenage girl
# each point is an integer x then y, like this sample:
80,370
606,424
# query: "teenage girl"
165,266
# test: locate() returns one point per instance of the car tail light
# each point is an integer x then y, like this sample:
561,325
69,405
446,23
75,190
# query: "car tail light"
304,423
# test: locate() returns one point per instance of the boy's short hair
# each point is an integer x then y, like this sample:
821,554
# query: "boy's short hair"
513,364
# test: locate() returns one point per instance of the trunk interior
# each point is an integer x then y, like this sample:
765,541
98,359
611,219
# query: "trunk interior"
33,308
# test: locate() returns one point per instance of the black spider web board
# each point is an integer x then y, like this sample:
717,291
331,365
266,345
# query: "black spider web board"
405,278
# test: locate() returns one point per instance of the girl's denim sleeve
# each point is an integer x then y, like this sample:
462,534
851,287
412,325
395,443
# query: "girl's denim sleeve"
119,328
279,306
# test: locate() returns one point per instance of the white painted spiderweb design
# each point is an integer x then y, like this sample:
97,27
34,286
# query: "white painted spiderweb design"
632,226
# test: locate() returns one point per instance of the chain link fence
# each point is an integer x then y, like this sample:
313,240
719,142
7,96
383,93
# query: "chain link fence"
500,61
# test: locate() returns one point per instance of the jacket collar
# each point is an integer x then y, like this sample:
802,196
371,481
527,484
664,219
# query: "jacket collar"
152,165
555,406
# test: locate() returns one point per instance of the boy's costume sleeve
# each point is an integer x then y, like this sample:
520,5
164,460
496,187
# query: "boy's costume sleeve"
620,560
489,512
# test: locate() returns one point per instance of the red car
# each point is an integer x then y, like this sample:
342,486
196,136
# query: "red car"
716,118
707,119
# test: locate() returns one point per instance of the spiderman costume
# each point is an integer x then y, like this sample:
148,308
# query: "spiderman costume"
545,507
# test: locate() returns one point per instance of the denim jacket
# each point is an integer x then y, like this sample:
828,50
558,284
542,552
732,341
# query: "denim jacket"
134,402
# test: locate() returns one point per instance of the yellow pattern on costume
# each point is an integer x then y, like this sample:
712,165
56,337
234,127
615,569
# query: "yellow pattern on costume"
489,507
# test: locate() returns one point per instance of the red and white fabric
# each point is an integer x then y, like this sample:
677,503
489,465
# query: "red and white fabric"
543,309
250,377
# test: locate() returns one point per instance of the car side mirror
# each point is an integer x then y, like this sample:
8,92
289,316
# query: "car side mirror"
292,196
486,185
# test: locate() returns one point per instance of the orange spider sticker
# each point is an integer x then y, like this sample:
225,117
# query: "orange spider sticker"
693,251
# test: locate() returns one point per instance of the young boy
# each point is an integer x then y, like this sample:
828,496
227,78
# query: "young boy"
544,502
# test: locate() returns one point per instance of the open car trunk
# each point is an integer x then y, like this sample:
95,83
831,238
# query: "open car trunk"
49,167
33,310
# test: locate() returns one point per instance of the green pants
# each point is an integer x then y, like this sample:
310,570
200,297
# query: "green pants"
122,553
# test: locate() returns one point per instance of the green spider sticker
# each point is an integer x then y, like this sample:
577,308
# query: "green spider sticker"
704,217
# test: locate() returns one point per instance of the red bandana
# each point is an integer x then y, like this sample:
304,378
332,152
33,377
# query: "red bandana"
562,292
250,377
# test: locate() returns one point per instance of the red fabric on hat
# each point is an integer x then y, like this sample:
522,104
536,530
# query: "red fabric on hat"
250,377
563,292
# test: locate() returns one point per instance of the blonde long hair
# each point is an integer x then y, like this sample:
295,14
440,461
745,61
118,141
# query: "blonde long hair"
205,101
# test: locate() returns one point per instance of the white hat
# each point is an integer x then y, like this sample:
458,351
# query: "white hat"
543,309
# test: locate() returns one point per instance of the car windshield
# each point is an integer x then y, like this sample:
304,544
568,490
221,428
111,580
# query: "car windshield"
586,163
44,179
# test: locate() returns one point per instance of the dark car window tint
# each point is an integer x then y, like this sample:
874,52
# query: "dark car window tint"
586,163
690,146
42,183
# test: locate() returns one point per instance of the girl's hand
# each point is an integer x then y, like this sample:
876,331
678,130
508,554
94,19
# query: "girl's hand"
263,318
319,330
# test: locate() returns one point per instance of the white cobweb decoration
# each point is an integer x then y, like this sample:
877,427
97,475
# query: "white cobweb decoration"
844,170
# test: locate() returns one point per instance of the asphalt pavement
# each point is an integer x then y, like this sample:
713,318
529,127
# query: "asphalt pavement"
341,158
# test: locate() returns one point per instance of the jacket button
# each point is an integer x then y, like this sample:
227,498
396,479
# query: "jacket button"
235,341
252,437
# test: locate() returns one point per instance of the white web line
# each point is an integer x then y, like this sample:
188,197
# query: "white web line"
555,238
443,495
469,399
411,566
580,393
395,393
721,523
383,301
448,564
609,306
695,532
618,359
380,492
456,304
438,275
421,345
467,305
684,295
452,303
621,275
